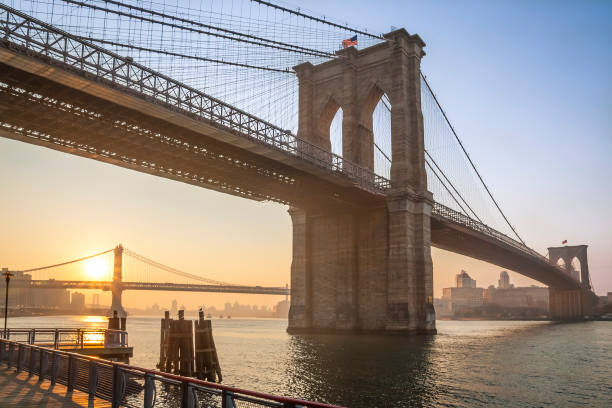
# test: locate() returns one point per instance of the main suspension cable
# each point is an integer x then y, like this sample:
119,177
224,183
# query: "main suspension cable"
196,30
175,54
319,20
66,263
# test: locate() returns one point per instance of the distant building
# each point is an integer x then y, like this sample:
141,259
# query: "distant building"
282,309
96,299
463,280
78,301
504,280
466,295
507,295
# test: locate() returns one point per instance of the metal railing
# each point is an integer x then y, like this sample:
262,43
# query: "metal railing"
67,338
33,37
129,386
449,214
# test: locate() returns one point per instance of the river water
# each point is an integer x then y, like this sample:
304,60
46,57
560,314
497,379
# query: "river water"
468,364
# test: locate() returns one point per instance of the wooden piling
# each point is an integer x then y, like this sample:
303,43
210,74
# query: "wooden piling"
163,342
206,359
177,353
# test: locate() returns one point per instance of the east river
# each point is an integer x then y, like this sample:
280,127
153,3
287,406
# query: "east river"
468,364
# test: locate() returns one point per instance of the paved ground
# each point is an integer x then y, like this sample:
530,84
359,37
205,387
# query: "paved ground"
21,390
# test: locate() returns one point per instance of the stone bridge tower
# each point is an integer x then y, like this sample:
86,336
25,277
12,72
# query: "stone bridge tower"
571,304
369,268
116,289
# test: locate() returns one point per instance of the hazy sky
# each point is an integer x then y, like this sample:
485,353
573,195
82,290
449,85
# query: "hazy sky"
527,85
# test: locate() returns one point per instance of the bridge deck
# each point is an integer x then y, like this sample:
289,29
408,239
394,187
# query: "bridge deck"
23,390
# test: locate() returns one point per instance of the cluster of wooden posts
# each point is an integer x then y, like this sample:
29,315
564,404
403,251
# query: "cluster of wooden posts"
177,353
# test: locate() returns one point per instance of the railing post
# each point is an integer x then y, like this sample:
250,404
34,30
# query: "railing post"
188,399
19,346
43,365
33,339
69,382
32,360
55,339
54,366
227,399
118,386
2,348
11,350
150,393
93,379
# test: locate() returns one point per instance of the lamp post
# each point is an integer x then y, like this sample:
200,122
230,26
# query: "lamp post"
7,277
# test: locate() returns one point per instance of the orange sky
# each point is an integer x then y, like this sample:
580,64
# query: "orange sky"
61,207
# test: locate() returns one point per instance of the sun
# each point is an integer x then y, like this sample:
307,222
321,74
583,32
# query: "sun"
96,268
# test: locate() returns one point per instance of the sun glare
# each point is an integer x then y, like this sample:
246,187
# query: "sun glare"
96,268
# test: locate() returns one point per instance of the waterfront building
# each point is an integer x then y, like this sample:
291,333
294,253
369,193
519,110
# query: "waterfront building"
464,296
506,295
463,280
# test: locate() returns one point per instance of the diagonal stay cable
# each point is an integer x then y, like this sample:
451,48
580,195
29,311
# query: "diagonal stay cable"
453,186
470,160
445,187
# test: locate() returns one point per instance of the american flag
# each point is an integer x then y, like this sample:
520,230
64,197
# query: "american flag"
349,42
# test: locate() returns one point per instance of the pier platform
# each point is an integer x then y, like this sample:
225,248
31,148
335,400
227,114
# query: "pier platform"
25,390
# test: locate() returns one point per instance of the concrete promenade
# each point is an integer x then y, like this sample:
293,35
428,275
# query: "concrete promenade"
23,390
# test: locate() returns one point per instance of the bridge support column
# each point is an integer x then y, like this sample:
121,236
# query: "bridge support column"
367,271
116,288
410,268
573,304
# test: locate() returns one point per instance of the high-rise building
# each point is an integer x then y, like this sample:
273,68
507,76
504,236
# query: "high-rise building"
96,299
78,301
463,280
504,280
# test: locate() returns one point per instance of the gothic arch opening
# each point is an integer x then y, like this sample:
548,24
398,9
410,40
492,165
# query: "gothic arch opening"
561,263
376,119
330,126
576,268
335,132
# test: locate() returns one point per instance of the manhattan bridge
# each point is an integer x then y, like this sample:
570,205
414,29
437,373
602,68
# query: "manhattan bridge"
263,101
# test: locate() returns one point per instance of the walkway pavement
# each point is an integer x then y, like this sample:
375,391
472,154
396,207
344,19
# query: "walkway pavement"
22,390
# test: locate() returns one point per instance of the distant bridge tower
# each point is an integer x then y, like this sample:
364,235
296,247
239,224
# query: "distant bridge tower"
116,289
367,268
568,253
571,304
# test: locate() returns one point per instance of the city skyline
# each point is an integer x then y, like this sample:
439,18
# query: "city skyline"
59,205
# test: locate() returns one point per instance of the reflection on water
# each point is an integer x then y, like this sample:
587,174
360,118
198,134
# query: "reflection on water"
96,321
509,364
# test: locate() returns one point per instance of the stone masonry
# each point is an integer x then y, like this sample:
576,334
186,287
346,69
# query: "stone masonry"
369,268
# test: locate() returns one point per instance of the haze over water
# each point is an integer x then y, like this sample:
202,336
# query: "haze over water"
468,364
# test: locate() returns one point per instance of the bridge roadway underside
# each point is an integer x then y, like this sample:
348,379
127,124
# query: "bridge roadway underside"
87,117
461,240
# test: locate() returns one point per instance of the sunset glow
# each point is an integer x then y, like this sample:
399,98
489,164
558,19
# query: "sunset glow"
96,269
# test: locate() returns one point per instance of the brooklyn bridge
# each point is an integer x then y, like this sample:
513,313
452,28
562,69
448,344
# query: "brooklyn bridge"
270,108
